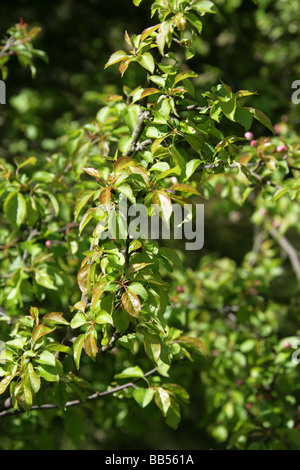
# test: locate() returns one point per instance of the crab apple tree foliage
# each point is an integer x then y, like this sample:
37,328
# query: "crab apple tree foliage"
75,292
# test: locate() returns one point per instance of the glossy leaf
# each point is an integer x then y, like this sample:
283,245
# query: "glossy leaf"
131,303
143,396
15,208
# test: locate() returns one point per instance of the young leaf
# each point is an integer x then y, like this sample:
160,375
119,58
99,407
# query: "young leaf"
77,349
81,200
162,400
83,279
146,60
32,379
131,303
55,317
15,208
78,320
46,357
262,118
90,346
92,172
115,57
5,383
143,396
148,31
105,196
163,204
103,317
185,74
185,188
149,91
131,372
39,331
162,35
152,346
123,162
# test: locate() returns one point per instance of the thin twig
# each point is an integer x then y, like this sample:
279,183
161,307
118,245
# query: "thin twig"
94,396
288,248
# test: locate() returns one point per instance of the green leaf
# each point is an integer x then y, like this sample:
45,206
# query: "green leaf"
136,2
121,320
43,176
143,396
92,172
127,191
34,313
81,200
90,346
146,60
194,21
32,379
46,357
15,208
83,278
173,415
39,331
262,118
55,317
162,35
280,192
78,320
163,204
5,383
77,349
86,219
131,303
191,167
48,372
137,267
228,106
244,117
185,74
122,163
185,188
131,372
102,317
195,343
124,143
152,346
43,279
176,389
172,256
205,6
23,396
138,289
162,400
116,57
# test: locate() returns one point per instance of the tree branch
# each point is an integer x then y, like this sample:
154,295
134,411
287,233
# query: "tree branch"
48,406
288,248
139,128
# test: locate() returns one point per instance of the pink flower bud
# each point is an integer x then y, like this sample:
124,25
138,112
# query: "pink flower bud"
248,135
253,143
239,382
48,243
249,406
286,345
275,223
277,128
180,289
281,148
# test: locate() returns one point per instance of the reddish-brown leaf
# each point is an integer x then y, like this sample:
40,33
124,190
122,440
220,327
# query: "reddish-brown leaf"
132,304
